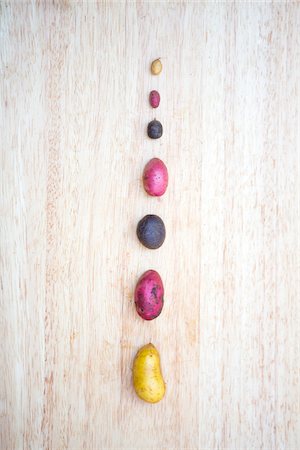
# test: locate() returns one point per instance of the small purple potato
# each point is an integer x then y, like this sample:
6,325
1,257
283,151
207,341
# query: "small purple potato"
155,129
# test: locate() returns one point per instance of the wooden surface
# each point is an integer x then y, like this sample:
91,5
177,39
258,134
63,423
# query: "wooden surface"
74,86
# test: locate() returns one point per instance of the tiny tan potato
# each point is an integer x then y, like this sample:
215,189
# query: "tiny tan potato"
156,67
148,381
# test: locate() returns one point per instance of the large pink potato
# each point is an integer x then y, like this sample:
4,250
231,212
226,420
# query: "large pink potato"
155,177
149,295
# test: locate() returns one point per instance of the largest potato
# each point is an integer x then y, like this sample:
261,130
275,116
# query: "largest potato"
148,381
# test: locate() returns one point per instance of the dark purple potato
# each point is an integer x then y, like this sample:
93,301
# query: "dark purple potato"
151,231
155,129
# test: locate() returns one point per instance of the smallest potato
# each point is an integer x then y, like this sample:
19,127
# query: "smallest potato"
156,67
148,380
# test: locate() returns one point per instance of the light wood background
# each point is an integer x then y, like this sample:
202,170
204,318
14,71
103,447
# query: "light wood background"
75,81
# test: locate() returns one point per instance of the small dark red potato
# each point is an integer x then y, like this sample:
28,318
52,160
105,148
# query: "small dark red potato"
154,99
155,177
149,295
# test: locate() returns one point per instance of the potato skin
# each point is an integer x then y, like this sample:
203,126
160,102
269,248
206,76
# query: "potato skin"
155,177
149,295
148,381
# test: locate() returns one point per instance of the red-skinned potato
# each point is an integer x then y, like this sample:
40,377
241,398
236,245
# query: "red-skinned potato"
154,99
155,177
149,295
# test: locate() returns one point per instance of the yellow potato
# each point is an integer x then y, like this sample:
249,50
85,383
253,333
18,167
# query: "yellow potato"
148,381
156,67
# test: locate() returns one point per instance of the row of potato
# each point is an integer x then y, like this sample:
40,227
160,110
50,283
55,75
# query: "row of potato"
149,292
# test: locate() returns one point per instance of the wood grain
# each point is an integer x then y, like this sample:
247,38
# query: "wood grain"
75,79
